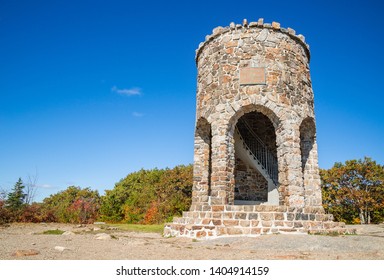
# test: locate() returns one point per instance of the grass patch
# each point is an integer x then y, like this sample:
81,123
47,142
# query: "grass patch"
54,232
139,228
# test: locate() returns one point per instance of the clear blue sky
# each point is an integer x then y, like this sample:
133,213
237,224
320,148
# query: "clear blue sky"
93,90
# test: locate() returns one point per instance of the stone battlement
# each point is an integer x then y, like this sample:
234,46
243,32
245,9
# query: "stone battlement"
275,26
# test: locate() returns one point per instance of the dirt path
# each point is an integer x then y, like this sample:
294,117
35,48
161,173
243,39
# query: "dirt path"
25,241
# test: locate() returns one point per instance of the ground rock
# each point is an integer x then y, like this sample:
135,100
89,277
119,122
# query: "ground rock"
103,236
68,233
23,253
60,248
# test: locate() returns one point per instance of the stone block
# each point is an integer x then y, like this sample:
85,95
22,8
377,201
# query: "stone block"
217,208
279,223
255,223
275,25
234,231
201,234
230,223
221,231
248,208
216,222
266,216
279,216
265,230
274,230
255,231
244,223
297,224
253,216
217,215
206,221
290,216
266,223
240,215
228,215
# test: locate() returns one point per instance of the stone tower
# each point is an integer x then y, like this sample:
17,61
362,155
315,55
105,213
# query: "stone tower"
255,155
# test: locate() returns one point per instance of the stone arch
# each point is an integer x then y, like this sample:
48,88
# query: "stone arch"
309,162
237,157
273,117
202,168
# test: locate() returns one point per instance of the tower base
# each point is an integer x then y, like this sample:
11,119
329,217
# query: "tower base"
212,221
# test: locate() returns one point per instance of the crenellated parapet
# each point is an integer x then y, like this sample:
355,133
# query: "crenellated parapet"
274,26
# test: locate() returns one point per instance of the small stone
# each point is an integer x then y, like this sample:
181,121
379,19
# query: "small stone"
245,22
260,22
217,30
232,25
301,37
291,31
96,228
275,25
68,233
60,248
103,236
99,223
25,253
253,24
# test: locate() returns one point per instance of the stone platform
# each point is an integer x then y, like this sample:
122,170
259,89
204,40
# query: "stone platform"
252,220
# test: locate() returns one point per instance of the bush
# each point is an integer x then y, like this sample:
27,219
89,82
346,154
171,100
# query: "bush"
149,196
73,205
5,214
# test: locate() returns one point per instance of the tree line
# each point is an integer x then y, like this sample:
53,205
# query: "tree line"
146,197
352,191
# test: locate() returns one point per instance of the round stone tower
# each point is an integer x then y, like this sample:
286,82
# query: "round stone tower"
255,154
255,131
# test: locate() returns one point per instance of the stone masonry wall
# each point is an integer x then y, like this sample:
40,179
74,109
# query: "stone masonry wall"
249,183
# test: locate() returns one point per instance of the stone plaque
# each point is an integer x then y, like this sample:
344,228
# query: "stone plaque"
252,76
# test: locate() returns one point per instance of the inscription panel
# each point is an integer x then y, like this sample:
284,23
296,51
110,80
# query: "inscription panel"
252,76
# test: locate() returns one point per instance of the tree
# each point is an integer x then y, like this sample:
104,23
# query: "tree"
354,192
16,197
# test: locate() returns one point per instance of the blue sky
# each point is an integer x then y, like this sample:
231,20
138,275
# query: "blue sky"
93,90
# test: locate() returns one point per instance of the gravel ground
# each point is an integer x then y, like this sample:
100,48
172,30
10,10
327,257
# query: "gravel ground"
26,241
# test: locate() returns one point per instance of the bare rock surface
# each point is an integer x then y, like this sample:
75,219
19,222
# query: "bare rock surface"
368,243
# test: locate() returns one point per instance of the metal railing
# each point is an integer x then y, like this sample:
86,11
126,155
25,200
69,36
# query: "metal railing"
258,149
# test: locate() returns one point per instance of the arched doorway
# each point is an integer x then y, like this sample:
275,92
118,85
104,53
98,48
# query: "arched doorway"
256,166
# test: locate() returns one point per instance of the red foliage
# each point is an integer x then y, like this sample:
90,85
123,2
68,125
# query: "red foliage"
152,216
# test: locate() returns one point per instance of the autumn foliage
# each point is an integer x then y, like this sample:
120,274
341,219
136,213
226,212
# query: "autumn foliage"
354,191
149,196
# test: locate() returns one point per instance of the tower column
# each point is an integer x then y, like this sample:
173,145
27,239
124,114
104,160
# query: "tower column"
219,157
289,161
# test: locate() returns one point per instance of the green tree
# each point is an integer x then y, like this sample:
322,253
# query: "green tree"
354,192
16,197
